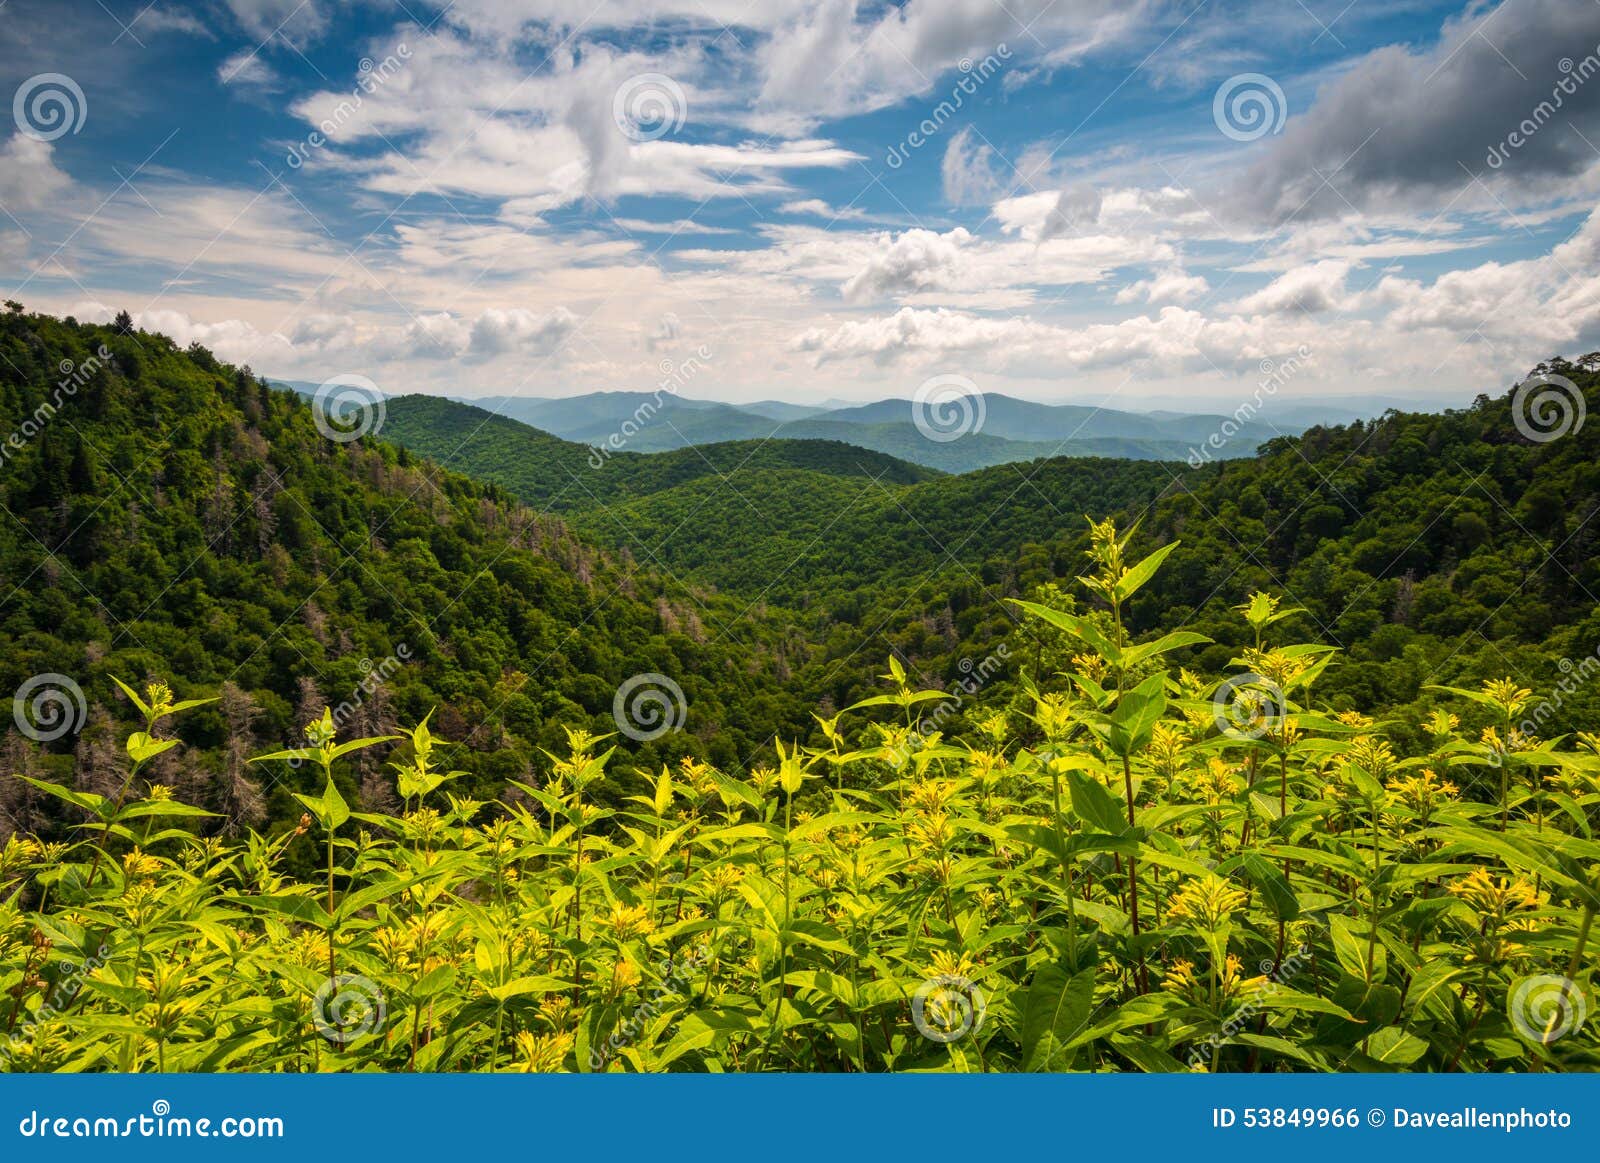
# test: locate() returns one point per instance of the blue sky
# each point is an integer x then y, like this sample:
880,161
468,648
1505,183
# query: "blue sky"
819,198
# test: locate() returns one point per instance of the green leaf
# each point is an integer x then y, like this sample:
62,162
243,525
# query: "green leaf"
133,696
1369,1008
1136,713
1080,628
297,908
1057,1006
1167,642
294,753
142,746
94,804
1395,1047
1094,805
329,808
1138,575
1276,891
360,745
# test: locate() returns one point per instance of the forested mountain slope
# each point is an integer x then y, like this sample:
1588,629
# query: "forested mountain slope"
1010,430
1432,548
794,522
551,473
166,516
172,517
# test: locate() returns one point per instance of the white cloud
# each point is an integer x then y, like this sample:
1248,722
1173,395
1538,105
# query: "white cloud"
263,19
248,68
1315,287
817,208
1076,211
917,260
1169,286
968,171
497,332
677,226
840,57
160,18
28,175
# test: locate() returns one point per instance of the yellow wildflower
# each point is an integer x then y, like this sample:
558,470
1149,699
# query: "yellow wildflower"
1494,897
543,1053
1207,901
627,921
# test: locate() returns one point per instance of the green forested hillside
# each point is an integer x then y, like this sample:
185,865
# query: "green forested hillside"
558,475
1431,547
171,516
798,523
329,604
178,518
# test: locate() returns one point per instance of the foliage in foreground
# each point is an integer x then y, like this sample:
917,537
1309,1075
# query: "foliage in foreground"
1146,871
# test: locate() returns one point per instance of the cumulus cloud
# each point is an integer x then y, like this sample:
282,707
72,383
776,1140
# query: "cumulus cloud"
322,330
1169,286
841,57
475,121
1175,337
497,332
1402,127
28,174
1076,209
916,260
1315,287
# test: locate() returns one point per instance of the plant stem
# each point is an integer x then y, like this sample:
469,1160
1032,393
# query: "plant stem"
1133,877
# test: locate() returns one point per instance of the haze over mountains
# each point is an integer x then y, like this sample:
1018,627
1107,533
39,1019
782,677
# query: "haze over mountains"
1009,429
1001,430
1005,430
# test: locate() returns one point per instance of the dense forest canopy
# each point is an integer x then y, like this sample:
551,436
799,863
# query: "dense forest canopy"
174,516
460,757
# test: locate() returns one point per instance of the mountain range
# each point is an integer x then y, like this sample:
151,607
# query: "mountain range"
181,520
1007,429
